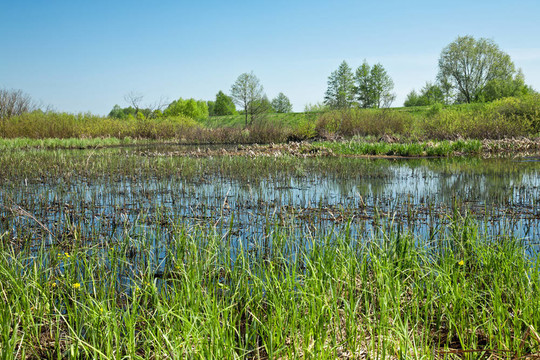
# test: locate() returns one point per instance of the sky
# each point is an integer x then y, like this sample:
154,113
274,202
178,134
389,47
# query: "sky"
86,56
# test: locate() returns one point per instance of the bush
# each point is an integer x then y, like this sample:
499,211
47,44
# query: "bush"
40,125
510,117
363,122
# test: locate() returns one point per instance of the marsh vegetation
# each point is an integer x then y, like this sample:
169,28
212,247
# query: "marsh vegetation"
145,252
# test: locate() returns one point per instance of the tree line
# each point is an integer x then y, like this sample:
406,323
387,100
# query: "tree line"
470,70
246,92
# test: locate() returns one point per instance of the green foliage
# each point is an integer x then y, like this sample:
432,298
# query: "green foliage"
340,91
502,88
524,111
381,87
118,112
429,95
211,105
281,104
39,125
189,108
363,122
261,106
413,99
414,149
469,65
420,298
245,92
509,117
224,105
373,86
121,113
316,107
435,109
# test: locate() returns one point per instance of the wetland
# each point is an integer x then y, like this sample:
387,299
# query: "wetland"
241,253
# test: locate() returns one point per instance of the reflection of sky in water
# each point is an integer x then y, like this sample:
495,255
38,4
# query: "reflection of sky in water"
104,204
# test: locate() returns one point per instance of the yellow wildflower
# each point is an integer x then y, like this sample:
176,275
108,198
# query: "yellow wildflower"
461,263
76,285
67,255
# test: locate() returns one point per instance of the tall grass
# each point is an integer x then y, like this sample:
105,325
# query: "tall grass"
363,122
510,117
287,296
39,125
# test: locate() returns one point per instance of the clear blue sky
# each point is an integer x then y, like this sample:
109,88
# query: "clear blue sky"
80,56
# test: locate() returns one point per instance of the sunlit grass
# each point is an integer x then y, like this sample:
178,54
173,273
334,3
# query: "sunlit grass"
390,295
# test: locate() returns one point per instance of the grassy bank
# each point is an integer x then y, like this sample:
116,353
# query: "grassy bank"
506,118
456,294
510,117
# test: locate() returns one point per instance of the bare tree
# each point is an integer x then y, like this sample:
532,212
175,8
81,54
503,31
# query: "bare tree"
134,99
15,102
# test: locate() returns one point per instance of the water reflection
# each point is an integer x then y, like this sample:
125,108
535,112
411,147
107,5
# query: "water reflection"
243,196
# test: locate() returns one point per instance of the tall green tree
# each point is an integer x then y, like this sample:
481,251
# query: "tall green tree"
224,105
469,65
281,103
381,87
340,91
373,86
363,88
245,92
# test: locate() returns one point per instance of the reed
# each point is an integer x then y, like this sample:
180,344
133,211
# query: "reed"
389,295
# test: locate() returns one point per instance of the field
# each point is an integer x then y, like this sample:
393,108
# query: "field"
168,251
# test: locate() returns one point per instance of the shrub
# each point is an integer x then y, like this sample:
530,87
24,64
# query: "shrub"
363,122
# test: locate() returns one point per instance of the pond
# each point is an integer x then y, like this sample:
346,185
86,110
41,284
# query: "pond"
104,195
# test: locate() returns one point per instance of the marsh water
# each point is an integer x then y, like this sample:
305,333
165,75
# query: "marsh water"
104,196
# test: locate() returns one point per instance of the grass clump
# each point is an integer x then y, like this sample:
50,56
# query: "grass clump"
381,148
287,296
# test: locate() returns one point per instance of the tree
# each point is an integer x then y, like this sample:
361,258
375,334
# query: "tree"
381,87
224,105
373,86
211,105
261,106
501,88
340,91
413,99
15,102
281,104
430,94
134,99
469,65
246,90
363,88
